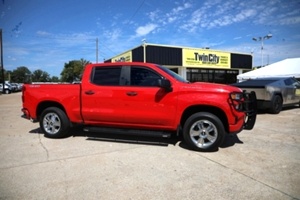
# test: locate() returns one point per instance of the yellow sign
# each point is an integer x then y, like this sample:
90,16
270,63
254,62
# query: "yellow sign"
125,57
205,58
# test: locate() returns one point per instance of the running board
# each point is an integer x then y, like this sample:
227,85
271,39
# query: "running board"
137,132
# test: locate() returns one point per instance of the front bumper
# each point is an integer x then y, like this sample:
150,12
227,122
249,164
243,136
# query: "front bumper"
250,108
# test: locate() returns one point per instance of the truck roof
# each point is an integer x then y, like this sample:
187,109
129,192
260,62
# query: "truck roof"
259,82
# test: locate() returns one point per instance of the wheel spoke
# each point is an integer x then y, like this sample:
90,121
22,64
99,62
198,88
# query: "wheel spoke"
201,141
47,120
194,133
211,138
53,118
56,123
210,128
200,125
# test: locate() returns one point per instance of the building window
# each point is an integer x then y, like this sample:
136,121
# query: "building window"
212,75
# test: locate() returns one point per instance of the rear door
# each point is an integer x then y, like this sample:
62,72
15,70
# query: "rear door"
101,101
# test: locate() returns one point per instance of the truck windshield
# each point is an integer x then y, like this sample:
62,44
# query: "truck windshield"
173,74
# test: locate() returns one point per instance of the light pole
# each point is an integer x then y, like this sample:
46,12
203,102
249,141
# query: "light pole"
262,45
144,49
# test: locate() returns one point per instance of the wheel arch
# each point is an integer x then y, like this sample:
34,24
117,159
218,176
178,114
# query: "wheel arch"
46,104
205,108
277,94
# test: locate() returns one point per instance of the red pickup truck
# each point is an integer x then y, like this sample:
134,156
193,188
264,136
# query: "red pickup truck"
144,99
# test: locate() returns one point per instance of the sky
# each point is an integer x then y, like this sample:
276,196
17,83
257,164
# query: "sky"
46,34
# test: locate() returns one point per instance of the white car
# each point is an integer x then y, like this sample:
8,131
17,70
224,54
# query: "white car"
7,88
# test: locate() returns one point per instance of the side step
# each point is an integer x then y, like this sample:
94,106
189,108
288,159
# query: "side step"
137,132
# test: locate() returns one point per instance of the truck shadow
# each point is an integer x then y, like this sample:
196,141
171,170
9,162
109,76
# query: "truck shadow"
229,141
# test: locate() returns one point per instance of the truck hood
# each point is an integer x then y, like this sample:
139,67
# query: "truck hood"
211,87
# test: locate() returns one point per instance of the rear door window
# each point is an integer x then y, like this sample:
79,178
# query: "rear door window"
109,76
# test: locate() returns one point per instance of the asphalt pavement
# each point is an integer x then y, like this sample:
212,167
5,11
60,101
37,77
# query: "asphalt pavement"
263,163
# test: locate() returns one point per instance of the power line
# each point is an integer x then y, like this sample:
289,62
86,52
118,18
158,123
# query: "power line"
137,10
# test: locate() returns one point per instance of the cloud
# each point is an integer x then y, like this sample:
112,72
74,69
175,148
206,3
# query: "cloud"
176,14
244,14
289,20
112,35
215,13
237,38
154,15
223,16
145,30
43,33
181,8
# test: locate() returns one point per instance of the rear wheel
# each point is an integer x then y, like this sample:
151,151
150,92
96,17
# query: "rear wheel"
54,123
203,131
276,104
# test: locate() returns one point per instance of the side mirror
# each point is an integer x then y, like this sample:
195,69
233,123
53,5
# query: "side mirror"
165,84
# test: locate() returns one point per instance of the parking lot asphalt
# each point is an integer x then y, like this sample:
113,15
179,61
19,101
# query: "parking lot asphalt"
263,163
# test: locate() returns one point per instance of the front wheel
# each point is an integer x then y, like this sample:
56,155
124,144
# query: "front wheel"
203,131
276,104
54,123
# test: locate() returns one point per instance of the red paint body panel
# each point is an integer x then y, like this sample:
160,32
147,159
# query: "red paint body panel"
131,106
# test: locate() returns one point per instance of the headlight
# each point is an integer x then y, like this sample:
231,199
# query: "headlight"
237,100
236,96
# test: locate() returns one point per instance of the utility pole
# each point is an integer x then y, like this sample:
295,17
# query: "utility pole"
2,66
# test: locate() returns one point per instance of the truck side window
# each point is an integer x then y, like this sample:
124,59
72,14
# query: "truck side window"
143,77
106,76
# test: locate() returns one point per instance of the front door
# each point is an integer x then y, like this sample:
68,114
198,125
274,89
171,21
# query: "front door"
146,103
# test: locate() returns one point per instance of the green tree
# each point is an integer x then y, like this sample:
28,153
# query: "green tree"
20,75
72,71
40,76
54,79
6,75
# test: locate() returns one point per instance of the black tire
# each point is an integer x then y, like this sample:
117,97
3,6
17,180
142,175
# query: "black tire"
7,91
276,104
203,131
54,123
